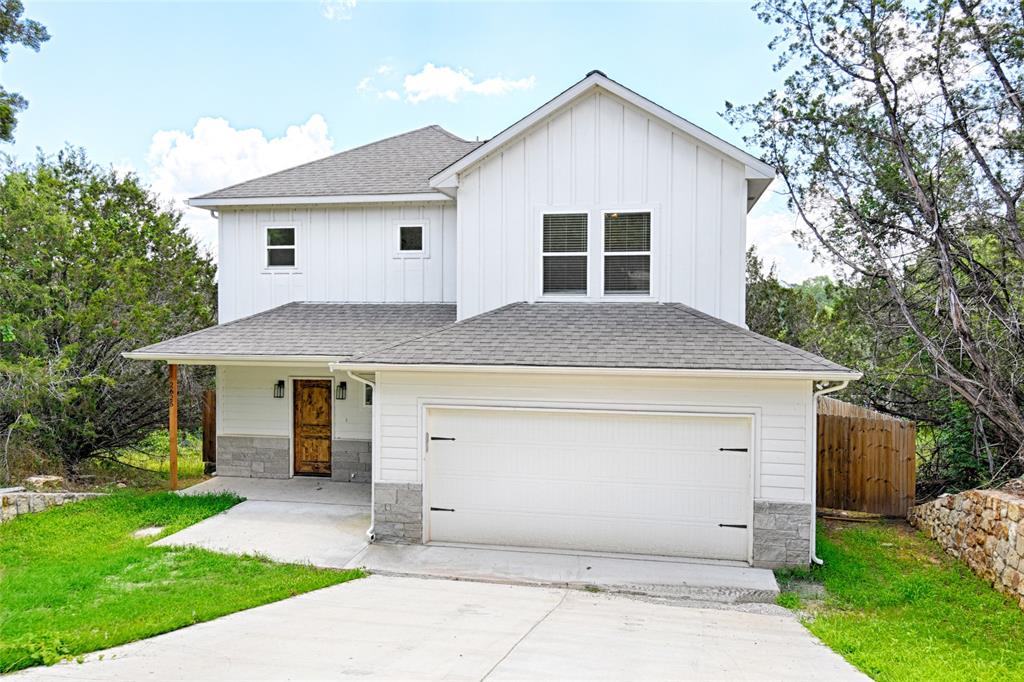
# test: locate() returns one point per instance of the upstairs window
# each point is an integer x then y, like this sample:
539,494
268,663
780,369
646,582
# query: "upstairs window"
627,253
411,239
280,247
565,254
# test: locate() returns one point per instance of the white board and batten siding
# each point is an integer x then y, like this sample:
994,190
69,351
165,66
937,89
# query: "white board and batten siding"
603,154
344,253
780,409
246,405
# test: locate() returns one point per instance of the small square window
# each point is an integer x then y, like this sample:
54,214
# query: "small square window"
280,247
410,238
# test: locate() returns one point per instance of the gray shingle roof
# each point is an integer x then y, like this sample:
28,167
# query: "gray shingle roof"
402,164
336,330
616,335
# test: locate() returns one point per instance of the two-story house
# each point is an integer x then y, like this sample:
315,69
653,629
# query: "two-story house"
533,341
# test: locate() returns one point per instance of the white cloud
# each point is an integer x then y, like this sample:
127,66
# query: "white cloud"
389,94
385,70
337,10
213,154
772,232
447,83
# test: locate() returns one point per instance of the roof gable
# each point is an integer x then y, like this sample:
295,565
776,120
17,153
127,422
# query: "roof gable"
758,173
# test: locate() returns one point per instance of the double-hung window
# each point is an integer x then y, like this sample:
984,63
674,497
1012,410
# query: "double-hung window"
627,253
565,254
280,246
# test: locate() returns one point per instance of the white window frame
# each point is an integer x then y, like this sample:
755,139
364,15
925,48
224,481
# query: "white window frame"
424,226
266,248
638,296
543,254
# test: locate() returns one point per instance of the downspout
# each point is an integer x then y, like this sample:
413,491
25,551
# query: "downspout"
826,388
374,444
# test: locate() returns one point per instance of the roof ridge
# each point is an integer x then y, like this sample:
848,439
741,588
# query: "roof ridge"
450,134
754,335
438,330
322,159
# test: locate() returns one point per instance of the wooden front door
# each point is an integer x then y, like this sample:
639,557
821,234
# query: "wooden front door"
312,427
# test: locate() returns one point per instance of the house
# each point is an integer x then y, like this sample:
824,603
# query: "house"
533,341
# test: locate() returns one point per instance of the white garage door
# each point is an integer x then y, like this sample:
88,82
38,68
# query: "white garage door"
611,482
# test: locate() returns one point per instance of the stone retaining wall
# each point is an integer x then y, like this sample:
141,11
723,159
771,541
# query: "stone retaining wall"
16,503
981,527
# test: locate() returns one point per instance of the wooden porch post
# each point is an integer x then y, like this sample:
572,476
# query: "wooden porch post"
172,424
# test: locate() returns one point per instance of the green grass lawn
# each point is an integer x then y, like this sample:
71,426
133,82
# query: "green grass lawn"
74,580
147,466
899,608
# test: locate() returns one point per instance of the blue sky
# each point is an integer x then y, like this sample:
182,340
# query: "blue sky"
196,95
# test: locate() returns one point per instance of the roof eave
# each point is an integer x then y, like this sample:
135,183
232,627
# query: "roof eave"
408,197
229,359
807,375
755,167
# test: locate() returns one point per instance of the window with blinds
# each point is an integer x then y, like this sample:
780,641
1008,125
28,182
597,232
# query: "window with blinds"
627,253
565,254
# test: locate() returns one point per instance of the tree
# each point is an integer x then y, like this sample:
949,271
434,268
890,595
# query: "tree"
898,137
15,31
91,265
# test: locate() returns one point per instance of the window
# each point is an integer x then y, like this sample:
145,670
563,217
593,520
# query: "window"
367,394
280,247
411,239
627,253
565,254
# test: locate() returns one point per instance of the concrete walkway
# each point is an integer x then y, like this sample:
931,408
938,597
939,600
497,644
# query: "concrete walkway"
298,520
388,628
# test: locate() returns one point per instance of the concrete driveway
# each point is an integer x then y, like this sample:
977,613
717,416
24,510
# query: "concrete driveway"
393,628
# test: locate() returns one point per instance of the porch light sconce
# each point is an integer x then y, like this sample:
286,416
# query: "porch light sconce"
279,389
341,390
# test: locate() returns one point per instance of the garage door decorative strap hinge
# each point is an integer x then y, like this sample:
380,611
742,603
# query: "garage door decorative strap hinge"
732,525
441,509
441,438
732,450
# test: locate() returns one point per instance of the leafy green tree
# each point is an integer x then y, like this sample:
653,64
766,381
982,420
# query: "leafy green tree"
15,31
898,136
91,265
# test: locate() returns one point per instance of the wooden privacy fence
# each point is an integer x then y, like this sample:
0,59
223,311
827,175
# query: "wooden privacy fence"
209,431
866,459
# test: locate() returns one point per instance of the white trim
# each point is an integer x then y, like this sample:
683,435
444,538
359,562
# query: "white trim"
603,253
752,413
296,227
424,251
755,168
199,202
601,371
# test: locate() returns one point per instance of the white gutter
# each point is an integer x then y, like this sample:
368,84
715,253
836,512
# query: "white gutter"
814,466
199,202
197,359
820,375
373,446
